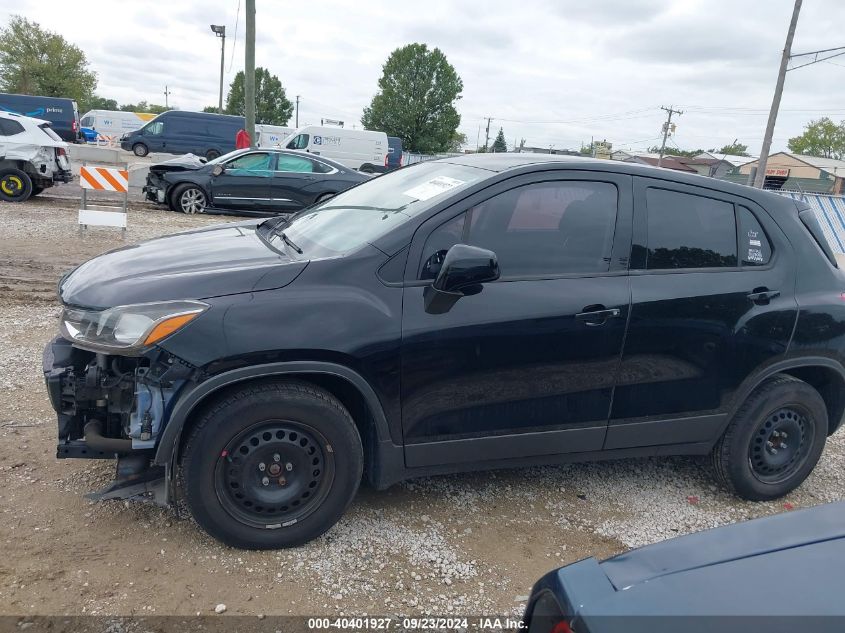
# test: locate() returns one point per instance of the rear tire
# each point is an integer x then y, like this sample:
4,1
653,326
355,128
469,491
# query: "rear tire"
774,441
139,149
15,185
188,198
367,169
212,154
272,465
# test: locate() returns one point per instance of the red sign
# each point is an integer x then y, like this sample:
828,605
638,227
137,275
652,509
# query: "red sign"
780,173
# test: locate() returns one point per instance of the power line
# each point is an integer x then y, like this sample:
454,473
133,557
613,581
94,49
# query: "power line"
235,38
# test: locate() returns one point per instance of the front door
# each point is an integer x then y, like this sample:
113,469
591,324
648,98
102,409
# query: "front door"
526,366
709,306
245,183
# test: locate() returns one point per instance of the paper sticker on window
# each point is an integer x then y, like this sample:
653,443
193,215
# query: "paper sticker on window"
433,187
754,255
754,243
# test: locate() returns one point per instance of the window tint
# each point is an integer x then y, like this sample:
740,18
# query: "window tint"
294,164
251,162
321,168
9,127
543,229
689,231
300,141
754,246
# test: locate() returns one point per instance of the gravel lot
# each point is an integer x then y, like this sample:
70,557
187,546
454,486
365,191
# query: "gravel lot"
464,544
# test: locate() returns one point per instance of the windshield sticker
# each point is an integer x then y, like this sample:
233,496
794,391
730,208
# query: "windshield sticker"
433,187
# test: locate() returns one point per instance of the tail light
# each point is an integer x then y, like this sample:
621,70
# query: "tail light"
401,156
73,126
385,159
60,151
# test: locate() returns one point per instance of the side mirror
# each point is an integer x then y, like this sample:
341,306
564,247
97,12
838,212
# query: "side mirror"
218,170
463,271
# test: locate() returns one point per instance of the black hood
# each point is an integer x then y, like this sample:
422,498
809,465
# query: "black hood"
188,162
220,260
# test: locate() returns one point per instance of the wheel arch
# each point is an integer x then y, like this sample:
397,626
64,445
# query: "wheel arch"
347,385
825,375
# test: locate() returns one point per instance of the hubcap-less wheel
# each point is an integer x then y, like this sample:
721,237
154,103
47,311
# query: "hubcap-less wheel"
779,445
274,474
12,185
192,201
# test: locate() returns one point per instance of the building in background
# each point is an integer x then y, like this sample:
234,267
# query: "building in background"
796,172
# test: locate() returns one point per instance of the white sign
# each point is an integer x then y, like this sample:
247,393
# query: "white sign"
90,217
433,187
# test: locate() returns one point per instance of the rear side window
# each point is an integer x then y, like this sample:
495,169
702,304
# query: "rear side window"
689,231
754,246
9,127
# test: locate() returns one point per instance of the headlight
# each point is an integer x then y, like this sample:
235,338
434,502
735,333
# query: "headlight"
127,329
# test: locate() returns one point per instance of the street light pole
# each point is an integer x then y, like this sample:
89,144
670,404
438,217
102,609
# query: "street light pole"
760,178
249,72
220,31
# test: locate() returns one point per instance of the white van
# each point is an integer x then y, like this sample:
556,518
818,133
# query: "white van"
271,135
111,124
357,149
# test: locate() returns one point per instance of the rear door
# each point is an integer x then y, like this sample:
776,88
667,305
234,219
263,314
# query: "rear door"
526,366
712,285
245,183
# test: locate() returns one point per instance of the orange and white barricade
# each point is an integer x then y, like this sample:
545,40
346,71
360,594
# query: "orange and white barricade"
103,179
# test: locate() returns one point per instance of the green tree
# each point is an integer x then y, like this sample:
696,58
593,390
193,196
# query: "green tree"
271,103
35,61
416,99
820,138
500,145
97,103
458,141
212,109
143,106
734,149
675,151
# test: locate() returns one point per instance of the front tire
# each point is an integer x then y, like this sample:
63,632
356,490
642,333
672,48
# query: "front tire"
139,149
774,441
272,465
15,185
212,154
189,198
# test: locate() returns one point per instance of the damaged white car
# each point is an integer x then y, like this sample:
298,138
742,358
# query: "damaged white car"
32,157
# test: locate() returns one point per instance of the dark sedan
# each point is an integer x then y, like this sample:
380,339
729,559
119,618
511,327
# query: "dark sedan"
249,182
779,573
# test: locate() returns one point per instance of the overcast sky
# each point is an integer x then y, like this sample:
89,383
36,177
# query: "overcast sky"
549,71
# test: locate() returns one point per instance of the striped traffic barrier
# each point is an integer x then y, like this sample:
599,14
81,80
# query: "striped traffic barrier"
104,179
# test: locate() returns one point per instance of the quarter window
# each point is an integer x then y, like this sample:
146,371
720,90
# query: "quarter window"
689,231
547,228
9,127
754,246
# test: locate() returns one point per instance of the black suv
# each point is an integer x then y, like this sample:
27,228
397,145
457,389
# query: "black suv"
465,313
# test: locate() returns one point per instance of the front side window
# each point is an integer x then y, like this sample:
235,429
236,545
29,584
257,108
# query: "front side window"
689,231
296,164
154,128
300,141
549,228
255,162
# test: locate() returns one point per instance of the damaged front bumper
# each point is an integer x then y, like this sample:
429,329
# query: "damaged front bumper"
113,407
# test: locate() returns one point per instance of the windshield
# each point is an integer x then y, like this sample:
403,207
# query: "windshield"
368,211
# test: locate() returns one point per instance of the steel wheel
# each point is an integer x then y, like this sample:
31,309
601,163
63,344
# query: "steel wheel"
274,474
779,445
12,185
15,185
192,200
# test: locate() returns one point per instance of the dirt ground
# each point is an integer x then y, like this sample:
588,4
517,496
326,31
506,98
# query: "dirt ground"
463,544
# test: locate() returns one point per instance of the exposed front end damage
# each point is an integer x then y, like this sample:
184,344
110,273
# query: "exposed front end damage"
114,406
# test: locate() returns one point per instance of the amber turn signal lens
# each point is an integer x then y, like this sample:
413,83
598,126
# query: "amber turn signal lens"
168,327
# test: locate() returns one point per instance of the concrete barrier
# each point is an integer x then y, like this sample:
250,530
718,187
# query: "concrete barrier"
93,154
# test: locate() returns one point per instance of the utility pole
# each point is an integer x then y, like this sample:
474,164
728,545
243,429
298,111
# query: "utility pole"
220,31
666,127
296,125
487,136
249,72
760,178
167,93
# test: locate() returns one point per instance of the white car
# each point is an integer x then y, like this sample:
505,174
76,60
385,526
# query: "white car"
32,157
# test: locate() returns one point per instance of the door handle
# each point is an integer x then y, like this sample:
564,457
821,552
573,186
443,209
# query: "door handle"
597,315
762,296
